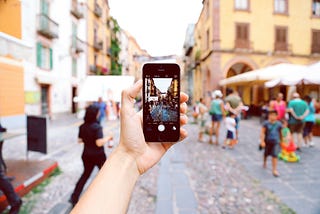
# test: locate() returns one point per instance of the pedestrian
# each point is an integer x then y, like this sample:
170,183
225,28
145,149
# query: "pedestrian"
202,109
111,189
231,131
102,109
270,140
298,110
279,105
90,133
309,120
217,113
233,103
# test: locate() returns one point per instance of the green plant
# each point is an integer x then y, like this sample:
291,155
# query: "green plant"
317,122
116,67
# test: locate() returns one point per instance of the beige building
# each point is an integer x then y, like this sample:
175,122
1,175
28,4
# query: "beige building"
236,36
98,37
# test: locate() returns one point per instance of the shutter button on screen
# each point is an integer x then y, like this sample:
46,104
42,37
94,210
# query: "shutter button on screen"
161,128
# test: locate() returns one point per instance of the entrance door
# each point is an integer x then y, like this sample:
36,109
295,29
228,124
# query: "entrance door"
74,104
44,99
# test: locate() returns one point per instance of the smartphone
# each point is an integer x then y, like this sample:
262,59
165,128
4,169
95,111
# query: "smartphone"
161,102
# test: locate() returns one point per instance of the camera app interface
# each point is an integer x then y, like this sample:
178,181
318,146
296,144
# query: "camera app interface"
161,100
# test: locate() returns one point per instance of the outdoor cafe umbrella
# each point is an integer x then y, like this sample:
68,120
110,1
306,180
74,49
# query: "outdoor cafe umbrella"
262,75
304,75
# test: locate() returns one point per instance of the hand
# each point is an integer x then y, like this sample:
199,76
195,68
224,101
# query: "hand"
263,144
132,141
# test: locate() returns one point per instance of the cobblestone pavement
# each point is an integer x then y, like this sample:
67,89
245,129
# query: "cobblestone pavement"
222,181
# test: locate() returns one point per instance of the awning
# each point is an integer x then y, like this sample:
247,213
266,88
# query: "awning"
262,75
306,75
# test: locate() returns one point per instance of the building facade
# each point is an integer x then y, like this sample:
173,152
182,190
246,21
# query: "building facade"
54,35
236,36
98,37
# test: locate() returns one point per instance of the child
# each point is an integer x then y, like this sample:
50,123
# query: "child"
202,118
231,131
270,140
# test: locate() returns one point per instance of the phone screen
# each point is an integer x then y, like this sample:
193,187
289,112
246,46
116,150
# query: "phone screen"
161,102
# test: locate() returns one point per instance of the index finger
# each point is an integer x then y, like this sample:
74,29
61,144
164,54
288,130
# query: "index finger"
183,97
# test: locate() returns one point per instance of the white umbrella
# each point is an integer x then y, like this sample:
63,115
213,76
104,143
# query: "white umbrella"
313,75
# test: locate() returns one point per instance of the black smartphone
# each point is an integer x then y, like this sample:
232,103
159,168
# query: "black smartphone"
161,102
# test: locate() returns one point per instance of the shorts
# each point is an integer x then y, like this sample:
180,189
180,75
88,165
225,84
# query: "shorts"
272,149
296,127
231,135
202,125
307,128
216,117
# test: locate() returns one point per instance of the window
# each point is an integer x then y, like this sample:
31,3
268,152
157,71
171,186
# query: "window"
281,40
316,7
44,57
315,47
281,6
241,4
242,36
44,7
74,67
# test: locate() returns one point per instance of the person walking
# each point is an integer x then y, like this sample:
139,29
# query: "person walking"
90,133
279,105
202,109
102,109
231,131
270,137
217,113
309,121
235,105
298,110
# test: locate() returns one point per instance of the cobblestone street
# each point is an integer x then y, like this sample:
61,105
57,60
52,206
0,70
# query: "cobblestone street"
193,177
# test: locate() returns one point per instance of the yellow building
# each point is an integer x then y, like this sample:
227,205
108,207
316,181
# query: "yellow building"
98,37
236,36
12,51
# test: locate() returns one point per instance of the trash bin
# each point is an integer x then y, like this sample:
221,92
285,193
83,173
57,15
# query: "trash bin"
37,133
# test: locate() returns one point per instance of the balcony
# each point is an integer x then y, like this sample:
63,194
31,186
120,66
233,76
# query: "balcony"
47,27
97,45
77,9
77,45
97,10
242,44
98,70
14,48
280,46
315,49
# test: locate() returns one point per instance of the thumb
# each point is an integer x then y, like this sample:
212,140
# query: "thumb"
128,95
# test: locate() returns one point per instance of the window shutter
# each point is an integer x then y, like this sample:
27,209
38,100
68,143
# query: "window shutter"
51,62
39,47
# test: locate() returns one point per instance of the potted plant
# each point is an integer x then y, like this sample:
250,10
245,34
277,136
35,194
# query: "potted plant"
316,127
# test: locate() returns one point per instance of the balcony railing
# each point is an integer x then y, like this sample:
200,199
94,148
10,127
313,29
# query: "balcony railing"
97,10
77,9
98,70
315,49
14,48
97,45
77,45
280,46
47,27
242,44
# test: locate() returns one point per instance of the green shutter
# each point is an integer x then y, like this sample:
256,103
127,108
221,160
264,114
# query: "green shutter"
39,47
51,62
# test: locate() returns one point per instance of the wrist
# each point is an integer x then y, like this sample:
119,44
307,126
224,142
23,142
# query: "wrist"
126,159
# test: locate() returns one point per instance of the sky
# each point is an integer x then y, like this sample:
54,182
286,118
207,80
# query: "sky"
159,26
162,84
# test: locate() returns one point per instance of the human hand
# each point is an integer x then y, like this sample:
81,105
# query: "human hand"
132,141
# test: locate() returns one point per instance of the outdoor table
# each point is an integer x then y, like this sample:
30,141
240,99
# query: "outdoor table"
5,136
